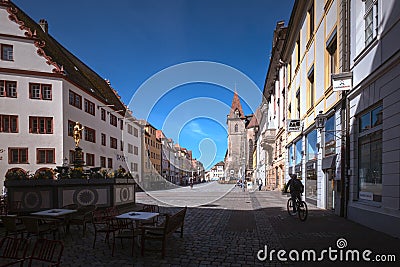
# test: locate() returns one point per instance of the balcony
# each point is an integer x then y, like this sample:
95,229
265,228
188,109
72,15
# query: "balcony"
268,138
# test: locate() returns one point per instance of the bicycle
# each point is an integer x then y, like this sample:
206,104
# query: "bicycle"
301,208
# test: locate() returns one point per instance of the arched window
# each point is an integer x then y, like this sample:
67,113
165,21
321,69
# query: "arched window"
237,113
236,128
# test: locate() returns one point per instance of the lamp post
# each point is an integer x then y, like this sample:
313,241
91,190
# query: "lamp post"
320,121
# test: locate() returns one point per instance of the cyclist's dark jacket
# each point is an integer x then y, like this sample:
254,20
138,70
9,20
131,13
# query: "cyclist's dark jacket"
295,185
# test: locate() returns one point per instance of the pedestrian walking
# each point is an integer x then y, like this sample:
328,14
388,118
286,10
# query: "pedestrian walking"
260,183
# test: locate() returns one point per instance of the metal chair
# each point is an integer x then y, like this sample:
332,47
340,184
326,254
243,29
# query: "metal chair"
82,217
46,251
124,229
11,226
38,227
102,224
13,251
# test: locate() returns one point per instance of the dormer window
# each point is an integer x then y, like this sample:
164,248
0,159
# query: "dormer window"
236,113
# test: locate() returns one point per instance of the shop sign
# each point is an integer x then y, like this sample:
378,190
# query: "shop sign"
342,81
294,125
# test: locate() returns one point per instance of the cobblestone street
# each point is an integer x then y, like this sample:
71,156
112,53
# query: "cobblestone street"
231,231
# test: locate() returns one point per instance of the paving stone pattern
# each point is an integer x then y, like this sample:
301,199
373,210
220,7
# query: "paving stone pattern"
230,232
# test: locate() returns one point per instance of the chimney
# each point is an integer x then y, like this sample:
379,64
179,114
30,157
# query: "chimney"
44,25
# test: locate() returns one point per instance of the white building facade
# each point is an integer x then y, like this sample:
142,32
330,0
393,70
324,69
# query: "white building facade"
374,191
44,91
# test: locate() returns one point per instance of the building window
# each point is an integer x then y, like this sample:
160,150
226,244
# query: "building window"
75,100
89,107
103,114
250,153
370,166
89,159
90,134
71,126
135,150
8,88
41,125
121,145
311,145
135,167
298,51
8,123
102,161
371,119
130,149
109,163
311,21
311,89
121,124
103,139
370,20
40,91
113,142
333,57
236,128
7,52
330,142
17,155
298,104
45,155
135,132
72,156
299,151
130,129
113,120
291,158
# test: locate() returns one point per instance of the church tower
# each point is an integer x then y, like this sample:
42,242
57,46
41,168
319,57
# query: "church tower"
236,156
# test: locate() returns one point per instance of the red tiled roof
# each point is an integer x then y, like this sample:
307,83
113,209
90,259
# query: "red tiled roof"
236,106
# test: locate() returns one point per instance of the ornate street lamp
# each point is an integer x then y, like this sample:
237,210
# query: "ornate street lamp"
320,121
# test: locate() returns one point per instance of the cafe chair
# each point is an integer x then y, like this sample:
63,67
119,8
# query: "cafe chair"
12,226
46,253
102,224
38,227
150,208
82,217
124,229
13,251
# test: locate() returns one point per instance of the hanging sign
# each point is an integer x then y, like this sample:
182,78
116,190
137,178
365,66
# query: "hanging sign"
294,125
342,81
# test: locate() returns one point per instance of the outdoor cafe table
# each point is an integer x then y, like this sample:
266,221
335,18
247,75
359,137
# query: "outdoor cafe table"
53,213
57,215
138,215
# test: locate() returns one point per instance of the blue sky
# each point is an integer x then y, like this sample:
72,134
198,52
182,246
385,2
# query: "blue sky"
131,41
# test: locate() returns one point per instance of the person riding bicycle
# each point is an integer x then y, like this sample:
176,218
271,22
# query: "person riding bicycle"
296,188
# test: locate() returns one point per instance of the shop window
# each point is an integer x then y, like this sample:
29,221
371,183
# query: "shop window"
299,151
330,142
311,146
370,155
